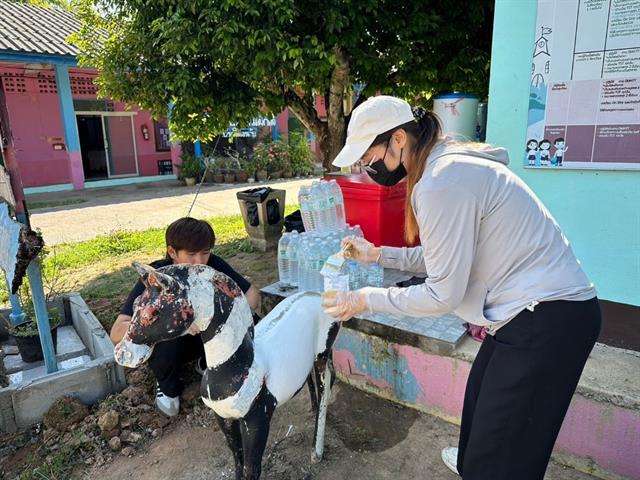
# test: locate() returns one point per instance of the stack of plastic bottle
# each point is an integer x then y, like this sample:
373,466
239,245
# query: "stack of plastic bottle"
302,256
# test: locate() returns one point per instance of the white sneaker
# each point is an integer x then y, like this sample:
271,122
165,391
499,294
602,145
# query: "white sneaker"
450,458
170,406
201,366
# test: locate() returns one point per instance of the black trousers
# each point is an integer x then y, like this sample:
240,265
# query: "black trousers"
519,390
167,359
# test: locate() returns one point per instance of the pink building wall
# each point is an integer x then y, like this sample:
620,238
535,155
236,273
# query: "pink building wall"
36,125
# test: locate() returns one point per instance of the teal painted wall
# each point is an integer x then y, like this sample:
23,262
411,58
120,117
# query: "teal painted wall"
599,211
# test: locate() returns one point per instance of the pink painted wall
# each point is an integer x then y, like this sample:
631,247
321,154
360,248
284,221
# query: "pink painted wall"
598,432
36,124
608,434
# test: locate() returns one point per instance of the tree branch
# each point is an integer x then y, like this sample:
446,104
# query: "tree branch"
304,109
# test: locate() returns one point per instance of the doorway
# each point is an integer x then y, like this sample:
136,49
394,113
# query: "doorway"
107,145
92,147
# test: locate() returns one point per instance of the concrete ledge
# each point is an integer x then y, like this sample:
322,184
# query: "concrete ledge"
25,403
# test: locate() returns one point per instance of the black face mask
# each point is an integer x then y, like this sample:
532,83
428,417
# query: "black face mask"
385,177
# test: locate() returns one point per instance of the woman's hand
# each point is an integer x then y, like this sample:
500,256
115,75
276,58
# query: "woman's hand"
360,250
344,305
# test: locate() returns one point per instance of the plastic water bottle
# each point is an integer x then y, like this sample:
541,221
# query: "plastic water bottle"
292,256
303,256
375,275
338,201
284,268
306,208
311,259
332,219
317,206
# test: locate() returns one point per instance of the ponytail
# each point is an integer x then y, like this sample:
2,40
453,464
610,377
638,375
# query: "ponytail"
424,132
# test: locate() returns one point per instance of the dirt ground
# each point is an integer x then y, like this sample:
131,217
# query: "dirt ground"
367,438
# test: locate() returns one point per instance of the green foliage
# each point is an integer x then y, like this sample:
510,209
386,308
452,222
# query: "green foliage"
228,61
190,166
300,154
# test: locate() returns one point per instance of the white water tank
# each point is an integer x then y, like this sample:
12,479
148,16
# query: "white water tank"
458,114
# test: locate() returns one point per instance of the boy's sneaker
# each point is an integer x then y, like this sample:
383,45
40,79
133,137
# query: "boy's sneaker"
170,406
450,458
201,366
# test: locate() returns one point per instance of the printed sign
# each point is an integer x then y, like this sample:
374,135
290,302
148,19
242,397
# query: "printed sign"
584,104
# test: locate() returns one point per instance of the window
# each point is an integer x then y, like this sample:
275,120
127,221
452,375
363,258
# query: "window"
161,130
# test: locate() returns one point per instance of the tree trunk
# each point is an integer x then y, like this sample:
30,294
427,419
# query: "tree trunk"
330,146
332,133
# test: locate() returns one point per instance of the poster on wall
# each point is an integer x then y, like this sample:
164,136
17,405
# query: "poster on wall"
584,103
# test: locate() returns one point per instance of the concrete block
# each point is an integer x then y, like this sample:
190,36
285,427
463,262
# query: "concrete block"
31,400
90,374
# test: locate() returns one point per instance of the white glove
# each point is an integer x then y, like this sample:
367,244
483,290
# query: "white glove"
360,250
344,305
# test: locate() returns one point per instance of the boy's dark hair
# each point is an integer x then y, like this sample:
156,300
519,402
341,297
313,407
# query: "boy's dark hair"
190,234
559,139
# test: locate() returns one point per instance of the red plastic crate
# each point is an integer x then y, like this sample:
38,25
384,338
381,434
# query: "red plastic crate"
378,210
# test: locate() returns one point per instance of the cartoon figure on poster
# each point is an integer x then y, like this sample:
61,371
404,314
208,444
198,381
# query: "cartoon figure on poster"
561,149
545,154
532,152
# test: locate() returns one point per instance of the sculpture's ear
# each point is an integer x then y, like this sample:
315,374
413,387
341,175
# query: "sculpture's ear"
153,279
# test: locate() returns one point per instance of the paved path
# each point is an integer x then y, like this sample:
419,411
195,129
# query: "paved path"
137,207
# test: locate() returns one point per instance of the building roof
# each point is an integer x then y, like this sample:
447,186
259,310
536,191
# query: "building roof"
27,28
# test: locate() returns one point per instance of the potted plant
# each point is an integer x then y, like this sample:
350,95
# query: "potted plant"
248,167
218,176
210,169
261,161
238,166
277,158
28,339
26,333
242,175
190,169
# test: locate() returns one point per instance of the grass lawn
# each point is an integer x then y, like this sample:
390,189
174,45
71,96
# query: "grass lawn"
100,269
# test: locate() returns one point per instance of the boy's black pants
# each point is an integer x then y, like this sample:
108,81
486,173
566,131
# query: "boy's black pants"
167,359
520,387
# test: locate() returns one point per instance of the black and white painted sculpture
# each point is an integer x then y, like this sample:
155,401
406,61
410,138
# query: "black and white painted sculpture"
249,374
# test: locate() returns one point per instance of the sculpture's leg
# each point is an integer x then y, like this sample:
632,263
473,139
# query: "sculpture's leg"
255,431
231,429
312,393
324,372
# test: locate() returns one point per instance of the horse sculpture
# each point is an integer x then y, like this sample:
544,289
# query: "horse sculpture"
248,373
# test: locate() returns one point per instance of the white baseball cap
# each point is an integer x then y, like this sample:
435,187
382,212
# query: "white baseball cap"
374,116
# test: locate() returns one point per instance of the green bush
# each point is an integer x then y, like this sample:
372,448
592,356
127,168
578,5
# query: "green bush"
190,166
300,154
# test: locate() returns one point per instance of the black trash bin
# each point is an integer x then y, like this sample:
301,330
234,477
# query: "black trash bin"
262,211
